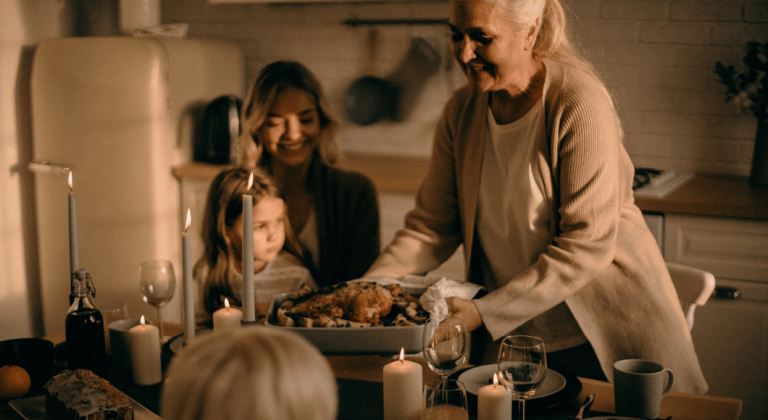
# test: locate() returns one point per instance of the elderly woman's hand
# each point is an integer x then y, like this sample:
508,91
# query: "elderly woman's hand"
465,310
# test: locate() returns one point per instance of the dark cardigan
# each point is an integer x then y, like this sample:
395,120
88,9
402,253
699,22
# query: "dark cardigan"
347,212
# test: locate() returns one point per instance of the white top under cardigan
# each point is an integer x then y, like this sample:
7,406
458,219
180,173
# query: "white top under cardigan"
512,239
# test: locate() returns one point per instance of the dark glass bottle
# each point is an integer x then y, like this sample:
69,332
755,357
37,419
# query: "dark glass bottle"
84,327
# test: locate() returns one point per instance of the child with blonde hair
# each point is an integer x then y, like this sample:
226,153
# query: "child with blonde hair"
257,373
276,254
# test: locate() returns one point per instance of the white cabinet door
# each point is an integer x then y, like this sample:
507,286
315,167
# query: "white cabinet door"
730,335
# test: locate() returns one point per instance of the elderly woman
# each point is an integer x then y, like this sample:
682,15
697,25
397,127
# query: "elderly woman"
251,374
528,171
289,131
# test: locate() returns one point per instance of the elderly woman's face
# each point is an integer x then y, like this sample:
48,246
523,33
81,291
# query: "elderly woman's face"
493,54
290,132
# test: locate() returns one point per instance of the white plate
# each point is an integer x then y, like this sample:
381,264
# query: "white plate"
33,408
477,377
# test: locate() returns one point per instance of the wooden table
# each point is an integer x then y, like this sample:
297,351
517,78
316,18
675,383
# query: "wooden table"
680,406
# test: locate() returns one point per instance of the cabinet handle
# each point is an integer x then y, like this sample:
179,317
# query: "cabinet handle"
726,292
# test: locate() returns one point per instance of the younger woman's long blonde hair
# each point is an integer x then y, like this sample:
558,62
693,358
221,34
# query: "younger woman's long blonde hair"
223,206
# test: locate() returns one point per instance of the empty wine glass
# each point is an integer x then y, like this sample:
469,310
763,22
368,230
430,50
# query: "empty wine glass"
522,366
445,345
157,282
445,399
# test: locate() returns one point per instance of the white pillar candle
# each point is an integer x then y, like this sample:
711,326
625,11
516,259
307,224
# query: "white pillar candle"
227,319
402,390
144,345
189,299
74,254
494,402
249,305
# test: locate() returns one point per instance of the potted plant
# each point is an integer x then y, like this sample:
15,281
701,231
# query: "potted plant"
749,90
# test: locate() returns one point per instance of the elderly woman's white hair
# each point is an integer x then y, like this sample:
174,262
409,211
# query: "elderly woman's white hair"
552,39
253,374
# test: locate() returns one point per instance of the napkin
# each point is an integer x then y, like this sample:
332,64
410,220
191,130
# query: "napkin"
433,291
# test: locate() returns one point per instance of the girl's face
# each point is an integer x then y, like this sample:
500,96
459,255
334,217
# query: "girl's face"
291,129
268,231
492,53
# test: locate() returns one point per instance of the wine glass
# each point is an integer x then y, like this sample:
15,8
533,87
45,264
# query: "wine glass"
157,282
522,366
445,345
444,399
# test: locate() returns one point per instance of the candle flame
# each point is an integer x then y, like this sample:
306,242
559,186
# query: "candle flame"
402,354
69,181
250,182
189,220
495,379
142,320
226,303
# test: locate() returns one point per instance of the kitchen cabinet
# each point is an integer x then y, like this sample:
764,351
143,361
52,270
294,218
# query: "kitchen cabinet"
717,223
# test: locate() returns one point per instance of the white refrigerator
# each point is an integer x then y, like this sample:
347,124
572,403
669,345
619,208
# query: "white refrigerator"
120,112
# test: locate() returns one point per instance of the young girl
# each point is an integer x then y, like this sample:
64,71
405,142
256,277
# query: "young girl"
276,254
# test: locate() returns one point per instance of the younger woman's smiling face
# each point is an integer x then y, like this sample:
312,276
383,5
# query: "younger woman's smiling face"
493,54
290,132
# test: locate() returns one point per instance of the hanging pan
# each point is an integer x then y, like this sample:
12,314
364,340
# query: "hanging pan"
370,98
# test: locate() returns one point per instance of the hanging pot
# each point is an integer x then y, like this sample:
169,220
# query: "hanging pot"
419,64
370,99
759,173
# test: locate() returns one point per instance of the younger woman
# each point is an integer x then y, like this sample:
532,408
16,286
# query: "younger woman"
276,255
289,131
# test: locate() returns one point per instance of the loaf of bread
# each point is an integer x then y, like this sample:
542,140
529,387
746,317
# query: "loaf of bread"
82,395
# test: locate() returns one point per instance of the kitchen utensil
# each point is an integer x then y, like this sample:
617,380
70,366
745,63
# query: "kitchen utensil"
370,99
417,66
584,407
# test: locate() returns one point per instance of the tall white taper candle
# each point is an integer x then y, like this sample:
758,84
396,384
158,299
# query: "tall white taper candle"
74,254
249,306
189,299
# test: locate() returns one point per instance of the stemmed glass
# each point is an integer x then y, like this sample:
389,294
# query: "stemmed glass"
445,345
157,282
522,366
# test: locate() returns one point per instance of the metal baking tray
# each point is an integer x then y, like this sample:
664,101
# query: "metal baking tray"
374,340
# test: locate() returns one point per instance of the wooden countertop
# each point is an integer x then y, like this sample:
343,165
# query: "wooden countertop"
704,194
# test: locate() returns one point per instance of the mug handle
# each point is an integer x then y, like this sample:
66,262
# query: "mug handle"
669,383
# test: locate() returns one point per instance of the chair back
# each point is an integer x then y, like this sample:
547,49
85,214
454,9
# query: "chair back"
694,287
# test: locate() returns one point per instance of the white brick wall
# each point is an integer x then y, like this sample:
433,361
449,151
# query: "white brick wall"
657,56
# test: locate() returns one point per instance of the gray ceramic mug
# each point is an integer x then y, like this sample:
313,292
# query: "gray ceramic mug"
639,387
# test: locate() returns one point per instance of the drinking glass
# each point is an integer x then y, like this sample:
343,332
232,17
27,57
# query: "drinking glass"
157,282
445,399
112,311
522,366
445,345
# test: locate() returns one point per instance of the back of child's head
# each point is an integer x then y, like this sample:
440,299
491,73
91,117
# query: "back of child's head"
255,374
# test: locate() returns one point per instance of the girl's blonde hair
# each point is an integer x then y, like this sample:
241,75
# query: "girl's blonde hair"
223,206
268,85
252,374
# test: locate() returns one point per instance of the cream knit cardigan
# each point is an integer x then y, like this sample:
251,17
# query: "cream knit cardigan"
602,259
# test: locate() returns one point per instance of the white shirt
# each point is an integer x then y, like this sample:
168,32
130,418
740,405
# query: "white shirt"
513,218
